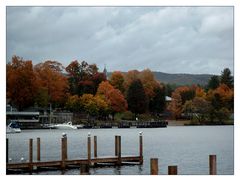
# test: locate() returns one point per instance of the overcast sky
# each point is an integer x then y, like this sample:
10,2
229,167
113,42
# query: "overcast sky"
167,39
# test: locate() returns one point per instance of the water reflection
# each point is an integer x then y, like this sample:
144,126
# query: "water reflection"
140,169
117,170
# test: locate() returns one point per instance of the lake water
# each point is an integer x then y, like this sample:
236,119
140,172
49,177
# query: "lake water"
188,147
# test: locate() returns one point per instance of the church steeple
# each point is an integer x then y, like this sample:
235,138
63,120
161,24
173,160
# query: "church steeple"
105,70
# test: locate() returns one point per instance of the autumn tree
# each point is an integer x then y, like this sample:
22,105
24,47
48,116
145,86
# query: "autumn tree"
149,82
73,103
199,92
175,105
221,97
129,77
94,105
49,76
222,100
201,108
186,93
83,77
117,81
21,82
114,97
188,108
136,98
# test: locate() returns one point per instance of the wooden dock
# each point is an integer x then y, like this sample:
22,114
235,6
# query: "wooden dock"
64,162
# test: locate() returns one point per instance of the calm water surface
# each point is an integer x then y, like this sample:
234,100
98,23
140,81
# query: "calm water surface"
188,147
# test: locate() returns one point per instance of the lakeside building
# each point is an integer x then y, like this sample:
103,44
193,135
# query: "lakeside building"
35,119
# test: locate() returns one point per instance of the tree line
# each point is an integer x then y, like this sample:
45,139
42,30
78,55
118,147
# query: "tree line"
82,88
214,102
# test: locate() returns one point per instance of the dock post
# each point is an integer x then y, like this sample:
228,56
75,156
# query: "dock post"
172,170
95,146
140,148
116,145
89,148
38,150
212,164
7,151
119,151
64,150
154,166
84,169
30,154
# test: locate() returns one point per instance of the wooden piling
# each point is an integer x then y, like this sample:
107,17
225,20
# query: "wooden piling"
95,146
84,169
140,148
116,145
38,150
119,151
89,149
7,151
212,164
30,154
172,170
65,148
64,156
154,166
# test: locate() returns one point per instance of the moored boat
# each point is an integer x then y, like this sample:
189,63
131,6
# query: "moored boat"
67,125
13,127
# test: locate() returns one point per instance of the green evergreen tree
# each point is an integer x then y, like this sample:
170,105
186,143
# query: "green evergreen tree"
136,98
226,77
157,104
213,83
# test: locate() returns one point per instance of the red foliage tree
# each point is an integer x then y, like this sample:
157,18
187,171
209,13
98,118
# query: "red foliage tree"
21,82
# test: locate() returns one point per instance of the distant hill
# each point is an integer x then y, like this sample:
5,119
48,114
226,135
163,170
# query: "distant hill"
181,79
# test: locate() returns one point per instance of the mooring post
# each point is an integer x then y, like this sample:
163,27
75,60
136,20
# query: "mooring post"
64,151
38,150
30,154
154,166
84,169
140,148
119,151
89,148
172,170
7,151
116,145
95,146
212,164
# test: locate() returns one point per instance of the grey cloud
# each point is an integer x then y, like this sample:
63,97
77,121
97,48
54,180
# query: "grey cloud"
168,39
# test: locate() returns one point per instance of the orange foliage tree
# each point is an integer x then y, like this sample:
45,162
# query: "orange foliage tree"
114,97
50,76
117,81
221,97
21,82
175,105
149,82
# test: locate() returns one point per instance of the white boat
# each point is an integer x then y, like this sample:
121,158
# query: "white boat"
67,125
13,127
